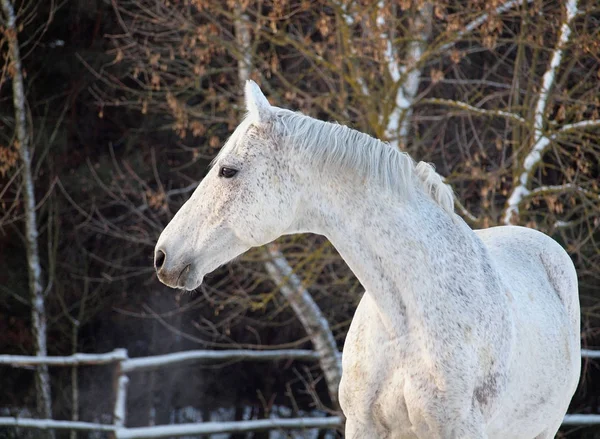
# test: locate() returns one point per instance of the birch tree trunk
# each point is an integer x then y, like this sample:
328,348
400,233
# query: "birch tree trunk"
278,268
36,289
406,76
541,140
310,316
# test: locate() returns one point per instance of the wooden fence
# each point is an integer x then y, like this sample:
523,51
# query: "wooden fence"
125,365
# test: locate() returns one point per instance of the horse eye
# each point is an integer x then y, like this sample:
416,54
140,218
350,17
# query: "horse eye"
227,172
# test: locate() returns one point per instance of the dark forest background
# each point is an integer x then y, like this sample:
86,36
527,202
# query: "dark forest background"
127,102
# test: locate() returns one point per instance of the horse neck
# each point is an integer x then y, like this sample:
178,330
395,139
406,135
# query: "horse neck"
403,251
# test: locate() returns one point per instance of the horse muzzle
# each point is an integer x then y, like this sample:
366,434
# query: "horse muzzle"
174,274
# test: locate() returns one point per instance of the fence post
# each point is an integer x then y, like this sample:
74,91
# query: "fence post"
120,385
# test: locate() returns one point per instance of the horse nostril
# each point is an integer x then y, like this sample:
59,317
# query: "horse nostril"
159,259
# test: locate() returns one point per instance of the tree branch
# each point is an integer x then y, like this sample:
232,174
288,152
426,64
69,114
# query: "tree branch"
534,157
476,110
550,189
592,123
407,77
471,26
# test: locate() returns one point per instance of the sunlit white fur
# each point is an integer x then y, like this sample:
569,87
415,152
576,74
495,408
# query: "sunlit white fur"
460,334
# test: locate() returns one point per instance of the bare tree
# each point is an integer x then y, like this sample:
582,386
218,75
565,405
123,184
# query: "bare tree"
22,143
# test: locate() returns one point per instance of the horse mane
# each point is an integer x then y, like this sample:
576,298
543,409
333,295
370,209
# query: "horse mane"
325,144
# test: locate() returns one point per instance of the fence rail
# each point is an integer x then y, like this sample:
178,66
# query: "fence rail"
156,361
228,427
589,353
115,356
125,365
177,430
46,424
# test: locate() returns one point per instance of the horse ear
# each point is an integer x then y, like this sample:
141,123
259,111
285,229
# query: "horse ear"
256,103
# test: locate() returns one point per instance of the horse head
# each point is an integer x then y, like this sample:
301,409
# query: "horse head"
248,198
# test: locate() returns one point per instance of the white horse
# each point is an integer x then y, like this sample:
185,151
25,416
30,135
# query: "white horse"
460,334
